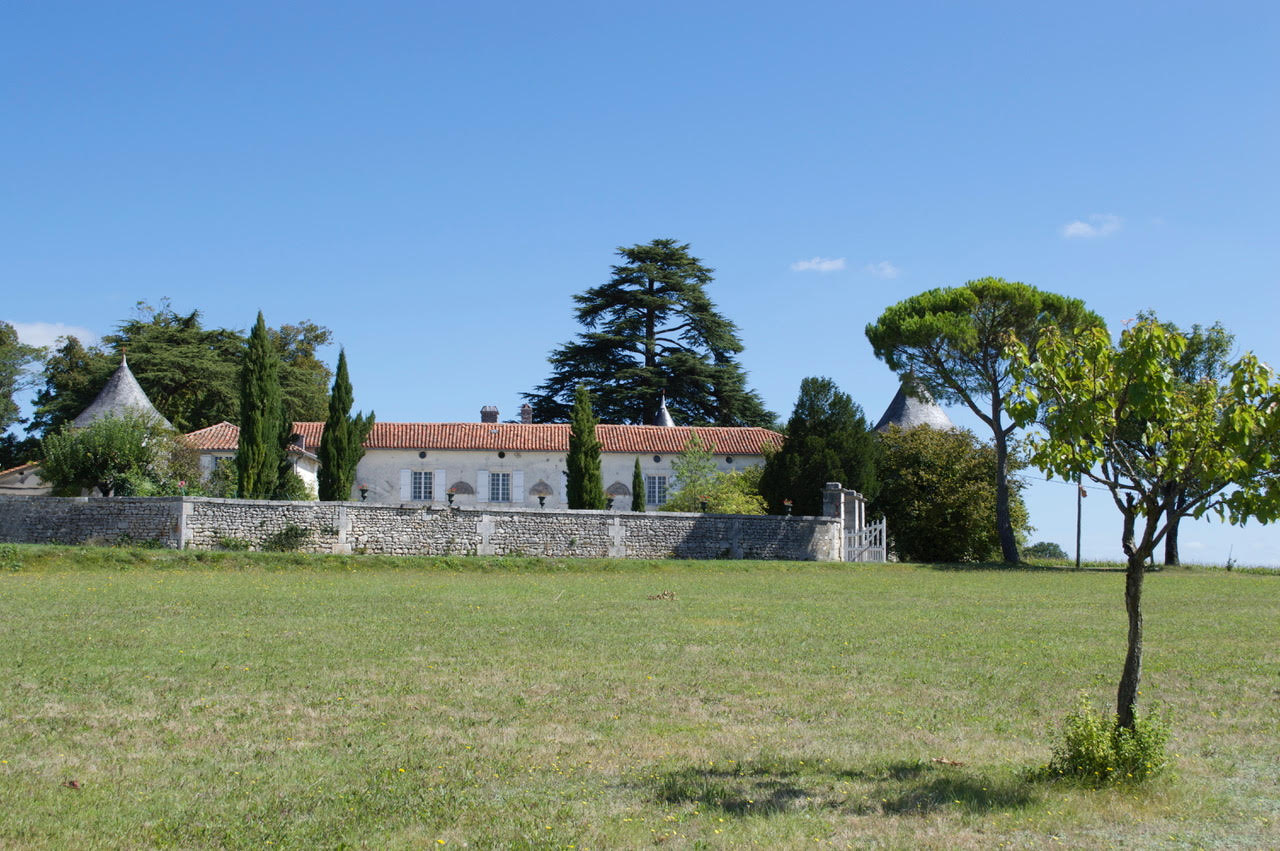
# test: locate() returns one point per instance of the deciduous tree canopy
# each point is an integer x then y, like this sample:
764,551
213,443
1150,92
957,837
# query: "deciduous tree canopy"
652,329
1122,416
938,495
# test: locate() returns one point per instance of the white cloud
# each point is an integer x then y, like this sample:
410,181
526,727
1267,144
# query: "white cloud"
819,264
883,269
47,333
1099,224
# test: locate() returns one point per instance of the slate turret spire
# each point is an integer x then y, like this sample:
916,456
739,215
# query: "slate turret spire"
121,394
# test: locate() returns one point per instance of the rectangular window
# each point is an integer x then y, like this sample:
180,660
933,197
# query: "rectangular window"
655,490
421,486
499,487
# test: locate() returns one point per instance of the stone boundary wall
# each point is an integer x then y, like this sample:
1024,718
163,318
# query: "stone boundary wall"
353,527
81,520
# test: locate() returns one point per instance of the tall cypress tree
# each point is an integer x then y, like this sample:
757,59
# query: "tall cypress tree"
259,455
342,444
585,487
637,488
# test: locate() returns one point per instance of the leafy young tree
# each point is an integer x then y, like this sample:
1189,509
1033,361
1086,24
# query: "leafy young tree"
15,357
650,330
698,483
1206,358
951,341
938,496
585,486
637,488
342,444
1121,416
260,453
828,440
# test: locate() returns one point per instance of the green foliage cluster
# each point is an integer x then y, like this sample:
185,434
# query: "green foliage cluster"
698,482
828,440
938,494
233,544
15,357
10,558
584,487
127,455
342,443
1097,750
652,329
188,371
1046,550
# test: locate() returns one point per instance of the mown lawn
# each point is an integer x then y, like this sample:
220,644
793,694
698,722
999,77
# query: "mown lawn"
246,700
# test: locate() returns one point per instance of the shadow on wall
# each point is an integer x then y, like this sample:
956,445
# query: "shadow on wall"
718,536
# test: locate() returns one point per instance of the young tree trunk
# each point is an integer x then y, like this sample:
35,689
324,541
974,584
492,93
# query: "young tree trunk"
1171,536
1004,524
1130,678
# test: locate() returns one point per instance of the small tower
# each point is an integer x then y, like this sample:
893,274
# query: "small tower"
906,411
122,394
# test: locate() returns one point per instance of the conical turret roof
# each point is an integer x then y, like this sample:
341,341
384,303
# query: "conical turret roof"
908,412
664,416
122,394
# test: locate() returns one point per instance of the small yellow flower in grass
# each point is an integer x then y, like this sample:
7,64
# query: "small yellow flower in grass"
402,771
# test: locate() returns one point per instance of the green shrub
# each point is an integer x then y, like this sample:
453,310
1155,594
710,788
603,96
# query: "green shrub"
9,558
1045,550
226,542
1095,749
287,540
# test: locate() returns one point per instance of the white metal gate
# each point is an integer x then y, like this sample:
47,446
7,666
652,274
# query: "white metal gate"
865,544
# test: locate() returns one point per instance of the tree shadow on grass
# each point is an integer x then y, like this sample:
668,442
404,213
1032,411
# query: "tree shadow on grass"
769,787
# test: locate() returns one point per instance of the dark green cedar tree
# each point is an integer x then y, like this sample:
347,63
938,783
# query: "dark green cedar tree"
652,329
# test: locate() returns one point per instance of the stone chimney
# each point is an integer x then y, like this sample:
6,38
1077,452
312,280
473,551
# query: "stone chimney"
526,413
489,414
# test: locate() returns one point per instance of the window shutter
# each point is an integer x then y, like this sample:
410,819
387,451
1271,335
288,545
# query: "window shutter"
482,485
517,487
406,485
437,486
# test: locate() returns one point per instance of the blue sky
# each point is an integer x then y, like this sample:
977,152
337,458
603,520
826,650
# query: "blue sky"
435,181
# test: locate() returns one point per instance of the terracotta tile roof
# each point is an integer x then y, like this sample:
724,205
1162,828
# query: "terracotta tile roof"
518,437
225,436
21,468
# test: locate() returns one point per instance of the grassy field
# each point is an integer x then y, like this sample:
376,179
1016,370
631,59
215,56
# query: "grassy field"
244,700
